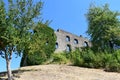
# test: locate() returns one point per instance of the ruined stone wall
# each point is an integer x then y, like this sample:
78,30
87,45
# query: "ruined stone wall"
67,41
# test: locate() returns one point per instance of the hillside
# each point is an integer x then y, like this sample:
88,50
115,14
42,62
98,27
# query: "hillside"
63,72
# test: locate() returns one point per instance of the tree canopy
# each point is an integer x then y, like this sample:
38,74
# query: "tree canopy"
16,18
42,45
103,27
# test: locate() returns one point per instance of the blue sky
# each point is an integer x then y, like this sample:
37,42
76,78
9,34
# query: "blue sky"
68,15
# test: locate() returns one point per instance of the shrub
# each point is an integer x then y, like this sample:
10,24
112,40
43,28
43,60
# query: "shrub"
113,62
112,65
98,62
91,59
76,58
59,58
36,59
88,58
117,55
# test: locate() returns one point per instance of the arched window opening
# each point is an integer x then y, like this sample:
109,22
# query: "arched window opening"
56,46
68,48
75,41
67,38
58,30
80,35
85,44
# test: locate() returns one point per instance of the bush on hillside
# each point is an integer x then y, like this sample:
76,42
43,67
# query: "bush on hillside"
90,59
76,58
60,58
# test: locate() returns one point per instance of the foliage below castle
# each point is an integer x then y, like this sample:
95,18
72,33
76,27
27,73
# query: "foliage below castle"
42,45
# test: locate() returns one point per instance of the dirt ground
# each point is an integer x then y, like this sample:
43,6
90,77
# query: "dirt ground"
64,72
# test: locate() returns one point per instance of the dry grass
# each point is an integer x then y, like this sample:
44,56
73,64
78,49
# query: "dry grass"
63,72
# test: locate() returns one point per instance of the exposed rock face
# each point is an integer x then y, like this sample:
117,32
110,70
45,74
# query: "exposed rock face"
67,41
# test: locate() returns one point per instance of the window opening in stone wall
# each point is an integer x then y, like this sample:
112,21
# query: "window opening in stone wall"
56,46
58,30
68,48
75,41
85,44
67,38
80,35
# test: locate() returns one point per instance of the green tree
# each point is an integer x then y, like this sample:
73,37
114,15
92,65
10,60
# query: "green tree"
42,45
15,21
103,27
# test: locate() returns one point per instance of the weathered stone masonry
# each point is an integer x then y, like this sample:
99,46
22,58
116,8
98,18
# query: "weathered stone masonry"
67,41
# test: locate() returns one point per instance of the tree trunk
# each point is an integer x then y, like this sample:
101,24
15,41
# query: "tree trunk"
23,60
9,72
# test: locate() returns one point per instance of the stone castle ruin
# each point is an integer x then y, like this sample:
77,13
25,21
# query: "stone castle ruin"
67,41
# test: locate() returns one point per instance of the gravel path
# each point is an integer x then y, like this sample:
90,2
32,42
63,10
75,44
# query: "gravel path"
63,72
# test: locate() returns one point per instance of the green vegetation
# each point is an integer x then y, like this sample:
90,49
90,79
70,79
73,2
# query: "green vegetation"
42,45
20,16
103,27
16,19
104,32
60,58
88,58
